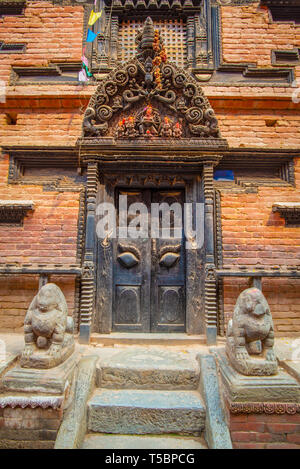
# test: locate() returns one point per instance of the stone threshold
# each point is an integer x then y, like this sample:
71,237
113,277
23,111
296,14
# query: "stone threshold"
132,338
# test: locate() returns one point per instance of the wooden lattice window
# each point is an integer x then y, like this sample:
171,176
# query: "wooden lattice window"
173,32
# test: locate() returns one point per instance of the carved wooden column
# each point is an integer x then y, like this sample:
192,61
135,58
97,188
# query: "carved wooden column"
190,26
210,283
88,268
114,40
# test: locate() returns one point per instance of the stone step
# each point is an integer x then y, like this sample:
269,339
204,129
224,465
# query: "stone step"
142,368
132,411
105,441
146,338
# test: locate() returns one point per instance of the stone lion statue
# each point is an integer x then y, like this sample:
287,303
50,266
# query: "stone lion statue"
250,335
48,330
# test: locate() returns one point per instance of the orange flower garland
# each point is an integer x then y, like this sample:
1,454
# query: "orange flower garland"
162,57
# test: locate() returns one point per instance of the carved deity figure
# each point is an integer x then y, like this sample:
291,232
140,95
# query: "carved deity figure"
48,330
250,335
166,129
177,130
130,127
121,129
148,125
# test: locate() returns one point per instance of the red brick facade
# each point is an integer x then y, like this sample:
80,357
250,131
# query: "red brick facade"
251,116
52,115
262,431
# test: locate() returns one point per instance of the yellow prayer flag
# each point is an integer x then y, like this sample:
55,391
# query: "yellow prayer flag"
94,17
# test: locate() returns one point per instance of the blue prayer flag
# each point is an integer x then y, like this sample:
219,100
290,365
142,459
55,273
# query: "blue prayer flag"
90,36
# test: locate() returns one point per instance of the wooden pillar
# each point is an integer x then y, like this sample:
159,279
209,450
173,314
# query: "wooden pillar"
190,26
256,282
210,283
43,279
88,269
114,40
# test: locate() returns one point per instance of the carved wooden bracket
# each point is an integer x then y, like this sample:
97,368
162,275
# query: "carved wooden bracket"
14,211
12,7
289,211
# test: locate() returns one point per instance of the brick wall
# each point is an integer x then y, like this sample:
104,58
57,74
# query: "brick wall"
29,428
16,294
253,235
249,35
52,33
48,235
250,128
41,126
262,431
282,296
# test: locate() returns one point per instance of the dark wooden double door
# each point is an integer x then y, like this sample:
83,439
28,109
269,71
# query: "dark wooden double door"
149,272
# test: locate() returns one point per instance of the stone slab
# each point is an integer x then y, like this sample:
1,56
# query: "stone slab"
217,432
287,348
13,342
240,388
146,411
148,369
292,367
6,363
104,441
139,338
73,428
30,380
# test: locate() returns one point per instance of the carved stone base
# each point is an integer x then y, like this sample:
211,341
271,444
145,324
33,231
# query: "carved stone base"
42,359
257,366
240,388
54,381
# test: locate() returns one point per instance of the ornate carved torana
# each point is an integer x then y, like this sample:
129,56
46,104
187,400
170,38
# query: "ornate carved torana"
148,125
149,98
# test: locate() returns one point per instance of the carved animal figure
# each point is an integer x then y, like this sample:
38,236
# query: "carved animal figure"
47,328
250,332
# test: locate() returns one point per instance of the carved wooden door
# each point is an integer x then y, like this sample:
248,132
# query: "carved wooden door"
149,273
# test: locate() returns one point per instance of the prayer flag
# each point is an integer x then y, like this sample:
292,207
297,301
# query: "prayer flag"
85,60
89,74
94,17
90,36
82,75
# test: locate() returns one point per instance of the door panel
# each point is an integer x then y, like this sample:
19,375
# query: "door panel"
168,273
131,276
149,274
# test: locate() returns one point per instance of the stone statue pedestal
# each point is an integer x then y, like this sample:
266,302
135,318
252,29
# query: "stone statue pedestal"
52,381
42,360
279,388
253,366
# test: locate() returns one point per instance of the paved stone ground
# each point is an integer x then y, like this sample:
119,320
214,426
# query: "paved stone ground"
14,343
288,353
287,350
105,441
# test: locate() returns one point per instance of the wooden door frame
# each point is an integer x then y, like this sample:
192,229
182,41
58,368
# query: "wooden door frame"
195,314
104,171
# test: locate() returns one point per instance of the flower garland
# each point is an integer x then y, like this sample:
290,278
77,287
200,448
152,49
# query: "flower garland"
161,57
